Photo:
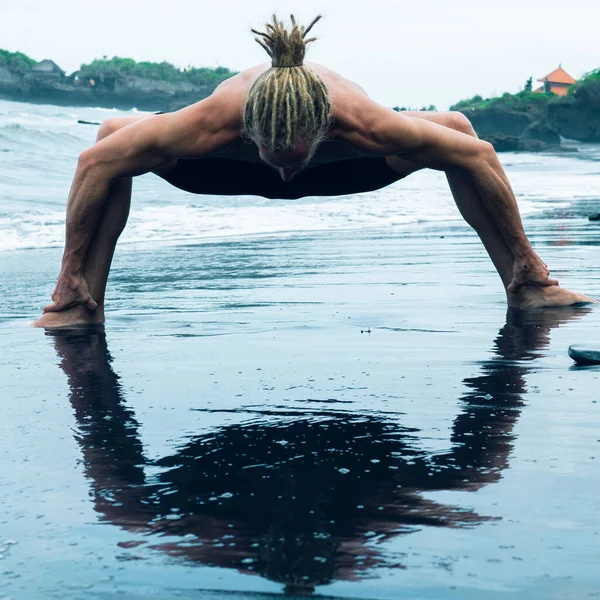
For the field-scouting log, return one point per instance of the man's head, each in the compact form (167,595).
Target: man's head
(287,109)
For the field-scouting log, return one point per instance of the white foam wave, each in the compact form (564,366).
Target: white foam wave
(251,217)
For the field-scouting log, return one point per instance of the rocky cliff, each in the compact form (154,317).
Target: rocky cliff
(578,116)
(534,121)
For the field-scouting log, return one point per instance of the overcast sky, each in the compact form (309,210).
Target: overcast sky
(403,53)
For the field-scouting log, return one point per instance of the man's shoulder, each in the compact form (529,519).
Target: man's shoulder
(350,103)
(224,106)
(222,109)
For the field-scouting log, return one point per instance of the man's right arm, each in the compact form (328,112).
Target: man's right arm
(133,150)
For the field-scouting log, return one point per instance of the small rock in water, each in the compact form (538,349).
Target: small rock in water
(585,355)
(594,217)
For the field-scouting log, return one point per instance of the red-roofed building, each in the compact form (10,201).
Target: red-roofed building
(558,82)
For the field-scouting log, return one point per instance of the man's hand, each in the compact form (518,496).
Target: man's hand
(531,270)
(71,289)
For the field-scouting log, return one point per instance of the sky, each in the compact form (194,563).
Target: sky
(403,53)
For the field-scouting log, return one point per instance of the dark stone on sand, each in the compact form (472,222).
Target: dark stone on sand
(585,355)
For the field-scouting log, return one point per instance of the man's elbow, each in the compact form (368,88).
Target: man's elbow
(88,161)
(480,154)
(485,152)
(92,164)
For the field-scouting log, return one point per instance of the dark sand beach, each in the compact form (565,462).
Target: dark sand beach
(354,413)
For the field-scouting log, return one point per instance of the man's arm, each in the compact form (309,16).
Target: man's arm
(379,131)
(133,150)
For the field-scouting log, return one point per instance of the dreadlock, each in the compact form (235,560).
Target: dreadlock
(289,102)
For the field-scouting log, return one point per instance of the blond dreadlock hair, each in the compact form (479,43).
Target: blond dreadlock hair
(289,102)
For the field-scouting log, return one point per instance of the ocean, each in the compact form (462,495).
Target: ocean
(39,146)
(317,397)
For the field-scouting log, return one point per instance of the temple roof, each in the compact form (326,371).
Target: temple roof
(559,76)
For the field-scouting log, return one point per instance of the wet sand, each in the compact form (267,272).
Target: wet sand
(354,414)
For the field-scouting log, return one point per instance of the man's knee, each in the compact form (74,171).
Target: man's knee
(459,122)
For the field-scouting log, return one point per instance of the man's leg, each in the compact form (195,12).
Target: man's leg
(477,216)
(102,248)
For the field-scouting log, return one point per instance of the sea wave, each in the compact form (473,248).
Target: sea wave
(40,145)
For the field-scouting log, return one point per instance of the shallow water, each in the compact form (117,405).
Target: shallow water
(348,412)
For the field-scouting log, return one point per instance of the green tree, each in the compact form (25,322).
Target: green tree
(127,67)
(473,102)
(16,62)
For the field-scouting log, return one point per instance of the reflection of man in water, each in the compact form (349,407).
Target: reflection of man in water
(312,133)
(299,499)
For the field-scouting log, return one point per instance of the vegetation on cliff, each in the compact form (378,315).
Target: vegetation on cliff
(591,76)
(16,62)
(164,71)
(526,100)
(430,108)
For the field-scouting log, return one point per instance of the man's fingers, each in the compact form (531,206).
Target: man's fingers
(69,292)
(60,306)
(52,308)
(542,283)
(91,304)
(516,286)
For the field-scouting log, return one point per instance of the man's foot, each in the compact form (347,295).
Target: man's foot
(75,316)
(531,296)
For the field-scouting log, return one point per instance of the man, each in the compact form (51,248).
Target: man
(285,131)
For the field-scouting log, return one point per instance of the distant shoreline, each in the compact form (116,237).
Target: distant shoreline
(127,100)
(120,83)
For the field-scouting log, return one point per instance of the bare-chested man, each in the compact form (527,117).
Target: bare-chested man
(287,130)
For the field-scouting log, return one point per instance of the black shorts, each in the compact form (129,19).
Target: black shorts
(228,177)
